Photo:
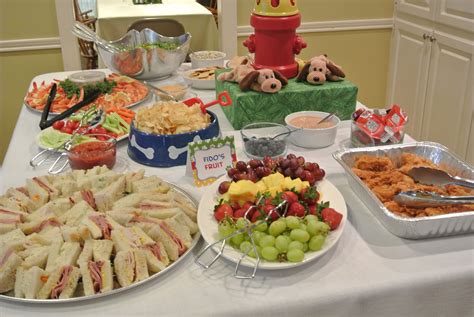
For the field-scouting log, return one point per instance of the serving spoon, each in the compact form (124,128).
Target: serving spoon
(431,176)
(424,199)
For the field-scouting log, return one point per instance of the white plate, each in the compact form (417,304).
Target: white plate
(198,83)
(42,146)
(208,226)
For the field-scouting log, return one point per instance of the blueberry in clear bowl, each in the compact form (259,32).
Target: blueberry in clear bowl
(265,139)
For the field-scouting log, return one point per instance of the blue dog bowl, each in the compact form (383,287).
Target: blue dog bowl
(167,150)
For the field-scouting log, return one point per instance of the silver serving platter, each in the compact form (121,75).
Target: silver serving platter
(411,228)
(148,94)
(196,238)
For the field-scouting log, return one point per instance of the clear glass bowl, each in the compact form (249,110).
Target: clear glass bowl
(360,139)
(265,139)
(88,154)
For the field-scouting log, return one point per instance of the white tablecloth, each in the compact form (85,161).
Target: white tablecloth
(370,272)
(115,16)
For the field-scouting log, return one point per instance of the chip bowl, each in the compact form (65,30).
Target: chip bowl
(168,150)
(145,63)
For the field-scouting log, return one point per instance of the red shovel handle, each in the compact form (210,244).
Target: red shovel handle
(223,99)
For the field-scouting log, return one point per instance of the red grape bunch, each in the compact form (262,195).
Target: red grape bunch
(291,166)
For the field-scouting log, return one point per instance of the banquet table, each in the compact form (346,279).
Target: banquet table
(115,16)
(369,272)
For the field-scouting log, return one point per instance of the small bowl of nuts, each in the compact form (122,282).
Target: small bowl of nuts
(265,139)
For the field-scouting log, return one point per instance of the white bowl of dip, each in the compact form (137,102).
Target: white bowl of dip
(308,133)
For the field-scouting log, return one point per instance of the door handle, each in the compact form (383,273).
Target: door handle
(432,38)
(425,36)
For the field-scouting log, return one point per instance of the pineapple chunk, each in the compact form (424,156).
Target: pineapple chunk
(273,180)
(261,186)
(243,190)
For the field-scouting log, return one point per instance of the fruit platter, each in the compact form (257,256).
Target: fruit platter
(116,124)
(117,91)
(295,214)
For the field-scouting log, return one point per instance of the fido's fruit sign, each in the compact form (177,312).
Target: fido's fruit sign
(209,159)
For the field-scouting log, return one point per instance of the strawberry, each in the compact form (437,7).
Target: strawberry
(296,209)
(223,210)
(331,217)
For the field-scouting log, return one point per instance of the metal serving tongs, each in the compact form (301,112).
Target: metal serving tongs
(424,199)
(92,118)
(247,229)
(84,32)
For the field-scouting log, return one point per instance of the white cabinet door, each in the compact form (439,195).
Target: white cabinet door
(422,8)
(410,56)
(449,98)
(456,13)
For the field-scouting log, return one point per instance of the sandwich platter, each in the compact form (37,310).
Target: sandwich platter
(89,234)
(209,228)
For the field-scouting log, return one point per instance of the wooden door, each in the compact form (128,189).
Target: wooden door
(449,98)
(410,57)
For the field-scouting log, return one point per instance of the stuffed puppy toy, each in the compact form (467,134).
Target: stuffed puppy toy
(319,69)
(263,80)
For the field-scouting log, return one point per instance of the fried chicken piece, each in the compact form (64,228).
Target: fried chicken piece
(410,160)
(456,190)
(375,164)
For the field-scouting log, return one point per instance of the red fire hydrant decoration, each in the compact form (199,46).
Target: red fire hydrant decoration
(275,42)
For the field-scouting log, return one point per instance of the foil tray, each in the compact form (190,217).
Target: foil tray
(78,298)
(411,228)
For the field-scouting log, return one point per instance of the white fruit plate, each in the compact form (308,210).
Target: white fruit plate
(208,226)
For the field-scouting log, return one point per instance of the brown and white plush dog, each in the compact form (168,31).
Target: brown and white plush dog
(319,69)
(263,80)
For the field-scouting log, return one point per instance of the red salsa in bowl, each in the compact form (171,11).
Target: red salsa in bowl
(93,153)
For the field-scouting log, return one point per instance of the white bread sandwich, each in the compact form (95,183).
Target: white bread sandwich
(20,200)
(97,277)
(34,256)
(175,237)
(86,253)
(39,224)
(53,254)
(149,184)
(9,219)
(132,177)
(40,190)
(28,282)
(9,262)
(55,207)
(97,225)
(130,266)
(61,283)
(183,219)
(102,249)
(71,234)
(106,197)
(134,237)
(68,254)
(74,216)
(163,200)
(14,239)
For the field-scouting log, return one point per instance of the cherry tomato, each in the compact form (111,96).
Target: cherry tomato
(58,125)
(223,210)
(331,217)
(76,124)
(67,130)
(70,124)
(101,130)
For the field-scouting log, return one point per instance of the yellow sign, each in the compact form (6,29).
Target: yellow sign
(275,7)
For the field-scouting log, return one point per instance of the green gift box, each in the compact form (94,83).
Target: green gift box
(248,107)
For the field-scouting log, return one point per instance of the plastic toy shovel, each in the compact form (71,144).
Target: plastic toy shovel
(223,99)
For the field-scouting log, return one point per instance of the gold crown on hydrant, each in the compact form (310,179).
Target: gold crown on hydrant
(275,7)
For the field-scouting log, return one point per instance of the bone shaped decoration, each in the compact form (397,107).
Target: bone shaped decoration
(148,152)
(174,152)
